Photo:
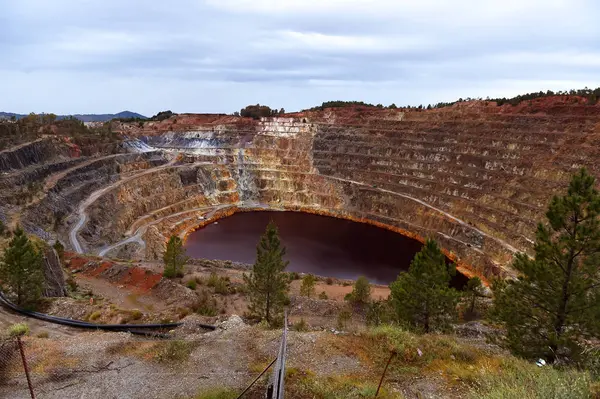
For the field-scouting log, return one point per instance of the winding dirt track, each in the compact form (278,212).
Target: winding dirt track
(137,236)
(81,211)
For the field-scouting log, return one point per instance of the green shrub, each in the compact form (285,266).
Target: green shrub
(212,280)
(379,312)
(95,315)
(18,330)
(301,325)
(519,379)
(191,284)
(217,393)
(71,284)
(60,249)
(323,295)
(294,276)
(220,284)
(205,305)
(136,314)
(173,351)
(338,387)
(308,285)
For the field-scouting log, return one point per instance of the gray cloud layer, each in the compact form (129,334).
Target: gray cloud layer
(69,56)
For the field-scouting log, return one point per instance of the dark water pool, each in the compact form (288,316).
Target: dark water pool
(315,244)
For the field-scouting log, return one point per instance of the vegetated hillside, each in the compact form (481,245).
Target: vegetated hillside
(582,96)
(83,117)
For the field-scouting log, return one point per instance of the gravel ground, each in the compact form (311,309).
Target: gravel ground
(86,365)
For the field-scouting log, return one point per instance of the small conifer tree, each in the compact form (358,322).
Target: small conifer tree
(555,302)
(308,285)
(422,296)
(361,292)
(21,270)
(174,258)
(267,283)
(473,291)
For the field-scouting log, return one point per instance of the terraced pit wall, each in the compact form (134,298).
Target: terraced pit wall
(475,177)
(477,183)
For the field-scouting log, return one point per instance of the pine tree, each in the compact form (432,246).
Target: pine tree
(422,296)
(60,249)
(473,290)
(267,283)
(21,270)
(361,292)
(308,285)
(174,258)
(555,301)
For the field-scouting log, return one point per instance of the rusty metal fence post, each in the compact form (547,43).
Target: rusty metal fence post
(384,372)
(20,344)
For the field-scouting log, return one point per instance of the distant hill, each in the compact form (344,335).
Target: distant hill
(84,117)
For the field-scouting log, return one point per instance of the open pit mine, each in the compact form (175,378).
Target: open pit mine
(475,176)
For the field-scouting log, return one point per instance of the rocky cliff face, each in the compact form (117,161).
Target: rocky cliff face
(475,177)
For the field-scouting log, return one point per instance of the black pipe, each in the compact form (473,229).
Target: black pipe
(82,324)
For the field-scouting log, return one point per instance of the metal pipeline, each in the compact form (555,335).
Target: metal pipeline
(132,328)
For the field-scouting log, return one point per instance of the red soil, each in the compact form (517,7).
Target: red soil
(138,278)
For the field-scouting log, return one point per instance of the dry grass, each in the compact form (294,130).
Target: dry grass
(47,357)
(517,379)
(174,351)
(141,349)
(217,393)
(471,370)
(303,384)
(219,284)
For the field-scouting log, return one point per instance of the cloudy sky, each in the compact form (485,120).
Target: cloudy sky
(104,56)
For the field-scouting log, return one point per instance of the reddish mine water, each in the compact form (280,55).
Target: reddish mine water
(321,245)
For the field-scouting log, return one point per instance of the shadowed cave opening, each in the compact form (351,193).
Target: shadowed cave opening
(322,245)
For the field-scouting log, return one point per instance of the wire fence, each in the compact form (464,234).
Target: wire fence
(123,365)
(119,365)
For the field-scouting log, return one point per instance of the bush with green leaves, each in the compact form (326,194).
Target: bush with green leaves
(192,284)
(308,285)
(217,393)
(301,325)
(220,284)
(519,380)
(379,312)
(361,292)
(205,305)
(18,330)
(60,249)
(175,351)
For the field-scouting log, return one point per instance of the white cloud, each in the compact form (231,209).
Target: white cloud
(559,58)
(292,40)
(84,41)
(217,55)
